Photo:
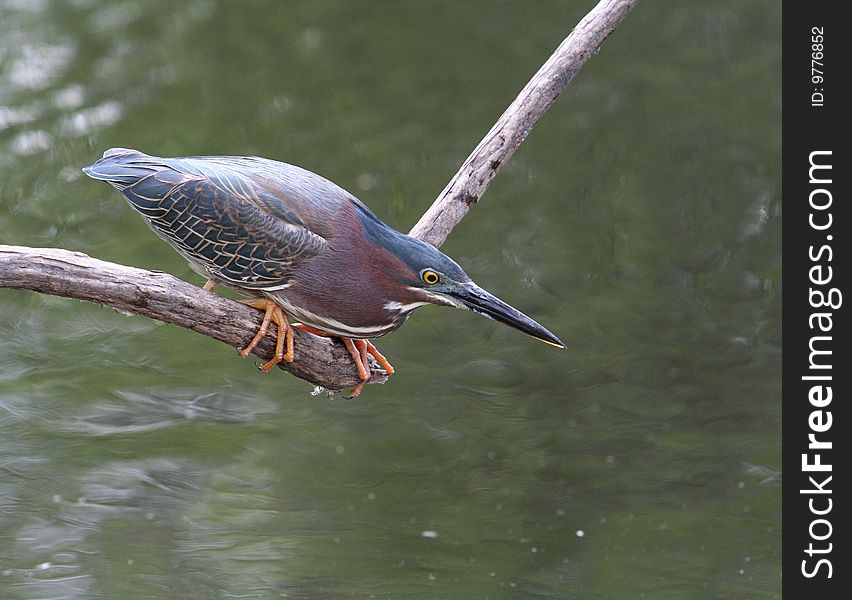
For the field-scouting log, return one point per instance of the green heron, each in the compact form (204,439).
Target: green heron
(299,246)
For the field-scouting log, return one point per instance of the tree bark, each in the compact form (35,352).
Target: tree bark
(321,361)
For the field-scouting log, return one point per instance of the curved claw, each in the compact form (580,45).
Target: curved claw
(360,351)
(356,391)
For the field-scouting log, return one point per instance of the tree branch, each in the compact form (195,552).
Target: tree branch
(322,361)
(468,185)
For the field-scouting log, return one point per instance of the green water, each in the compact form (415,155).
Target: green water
(640,222)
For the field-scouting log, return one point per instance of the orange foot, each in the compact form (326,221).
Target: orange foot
(359,350)
(284,338)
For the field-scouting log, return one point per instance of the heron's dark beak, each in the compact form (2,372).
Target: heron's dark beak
(481,302)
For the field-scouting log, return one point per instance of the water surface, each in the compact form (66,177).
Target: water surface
(640,222)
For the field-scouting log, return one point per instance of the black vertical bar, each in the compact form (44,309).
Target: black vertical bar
(816,369)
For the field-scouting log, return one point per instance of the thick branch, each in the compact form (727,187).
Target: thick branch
(321,361)
(514,125)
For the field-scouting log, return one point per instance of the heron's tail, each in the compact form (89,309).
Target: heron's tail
(121,167)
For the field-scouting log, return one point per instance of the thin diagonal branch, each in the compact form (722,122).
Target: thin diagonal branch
(468,185)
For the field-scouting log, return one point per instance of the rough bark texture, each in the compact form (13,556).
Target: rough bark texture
(321,361)
(512,128)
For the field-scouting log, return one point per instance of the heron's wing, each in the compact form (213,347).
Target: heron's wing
(240,227)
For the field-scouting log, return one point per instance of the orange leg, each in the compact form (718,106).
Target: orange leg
(359,350)
(369,347)
(360,358)
(209,285)
(284,338)
(310,329)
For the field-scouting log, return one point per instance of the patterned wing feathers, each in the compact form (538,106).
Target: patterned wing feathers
(220,221)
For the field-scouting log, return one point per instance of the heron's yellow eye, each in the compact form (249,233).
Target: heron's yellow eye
(430,277)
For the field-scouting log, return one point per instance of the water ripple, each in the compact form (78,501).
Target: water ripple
(139,411)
